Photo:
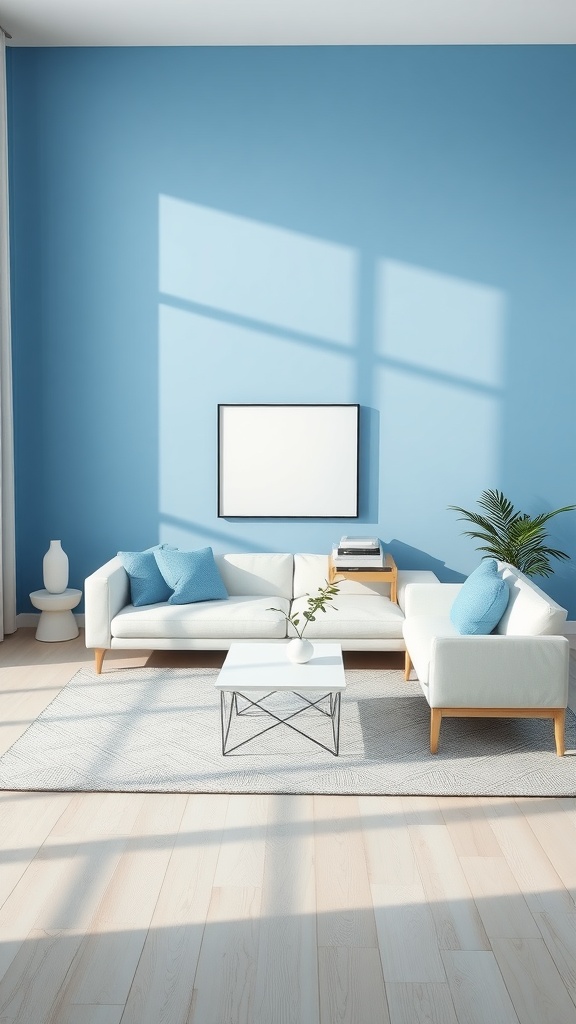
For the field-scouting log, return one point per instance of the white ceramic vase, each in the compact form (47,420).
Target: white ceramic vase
(55,568)
(299,650)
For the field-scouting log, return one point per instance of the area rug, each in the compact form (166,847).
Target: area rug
(158,730)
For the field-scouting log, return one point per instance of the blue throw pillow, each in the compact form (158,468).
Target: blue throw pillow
(147,584)
(482,601)
(192,575)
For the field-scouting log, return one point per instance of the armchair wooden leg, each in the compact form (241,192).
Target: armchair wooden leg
(435,723)
(559,727)
(407,666)
(98,659)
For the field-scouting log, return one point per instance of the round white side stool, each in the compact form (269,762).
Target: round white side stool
(56,621)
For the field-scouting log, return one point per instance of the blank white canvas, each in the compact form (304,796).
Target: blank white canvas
(288,461)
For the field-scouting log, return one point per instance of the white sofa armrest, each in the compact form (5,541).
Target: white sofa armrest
(430,599)
(408,577)
(106,591)
(499,672)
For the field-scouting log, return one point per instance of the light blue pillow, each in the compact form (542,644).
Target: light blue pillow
(147,584)
(192,575)
(482,601)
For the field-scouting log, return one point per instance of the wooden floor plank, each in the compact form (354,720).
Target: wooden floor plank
(351,987)
(477,988)
(25,820)
(533,982)
(107,959)
(100,814)
(343,895)
(406,935)
(241,860)
(30,986)
(31,675)
(558,930)
(84,1013)
(556,833)
(500,903)
(388,847)
(88,867)
(531,866)
(470,831)
(28,816)
(163,985)
(458,923)
(420,1003)
(226,973)
(422,810)
(286,982)
(41,886)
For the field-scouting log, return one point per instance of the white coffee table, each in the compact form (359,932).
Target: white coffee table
(255,671)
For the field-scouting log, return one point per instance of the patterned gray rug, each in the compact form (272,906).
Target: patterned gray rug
(158,730)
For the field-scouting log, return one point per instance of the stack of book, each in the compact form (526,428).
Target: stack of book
(358,553)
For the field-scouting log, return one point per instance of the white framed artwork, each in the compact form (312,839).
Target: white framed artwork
(288,461)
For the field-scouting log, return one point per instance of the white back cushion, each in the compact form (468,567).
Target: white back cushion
(265,575)
(530,611)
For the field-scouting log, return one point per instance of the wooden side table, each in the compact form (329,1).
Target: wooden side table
(387,574)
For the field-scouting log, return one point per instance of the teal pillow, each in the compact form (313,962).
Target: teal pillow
(192,575)
(482,601)
(147,584)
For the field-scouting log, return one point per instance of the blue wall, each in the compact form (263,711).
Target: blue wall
(389,226)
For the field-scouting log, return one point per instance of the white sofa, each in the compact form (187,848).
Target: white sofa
(365,618)
(519,670)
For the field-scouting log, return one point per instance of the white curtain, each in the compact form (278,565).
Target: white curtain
(7,523)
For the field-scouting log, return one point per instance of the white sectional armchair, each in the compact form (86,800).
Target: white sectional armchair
(519,670)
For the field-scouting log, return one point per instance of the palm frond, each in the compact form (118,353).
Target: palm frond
(477,520)
(543,517)
(499,508)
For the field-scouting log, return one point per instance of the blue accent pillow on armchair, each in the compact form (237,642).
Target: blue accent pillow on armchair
(482,601)
(192,575)
(147,584)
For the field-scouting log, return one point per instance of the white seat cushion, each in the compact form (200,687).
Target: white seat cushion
(238,618)
(353,618)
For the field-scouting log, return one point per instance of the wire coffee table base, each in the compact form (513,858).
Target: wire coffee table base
(229,708)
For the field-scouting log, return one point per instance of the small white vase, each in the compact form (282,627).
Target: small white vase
(299,650)
(55,568)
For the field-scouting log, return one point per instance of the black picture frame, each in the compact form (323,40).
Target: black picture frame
(298,460)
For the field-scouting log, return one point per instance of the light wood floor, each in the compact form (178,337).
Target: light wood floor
(154,909)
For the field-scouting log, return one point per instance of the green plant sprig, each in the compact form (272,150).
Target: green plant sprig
(512,536)
(315,604)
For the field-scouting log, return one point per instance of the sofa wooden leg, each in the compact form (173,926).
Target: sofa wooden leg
(407,666)
(98,659)
(435,723)
(559,728)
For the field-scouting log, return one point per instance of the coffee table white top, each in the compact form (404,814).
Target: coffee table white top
(266,667)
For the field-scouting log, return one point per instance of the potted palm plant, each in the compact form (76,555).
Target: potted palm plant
(512,536)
